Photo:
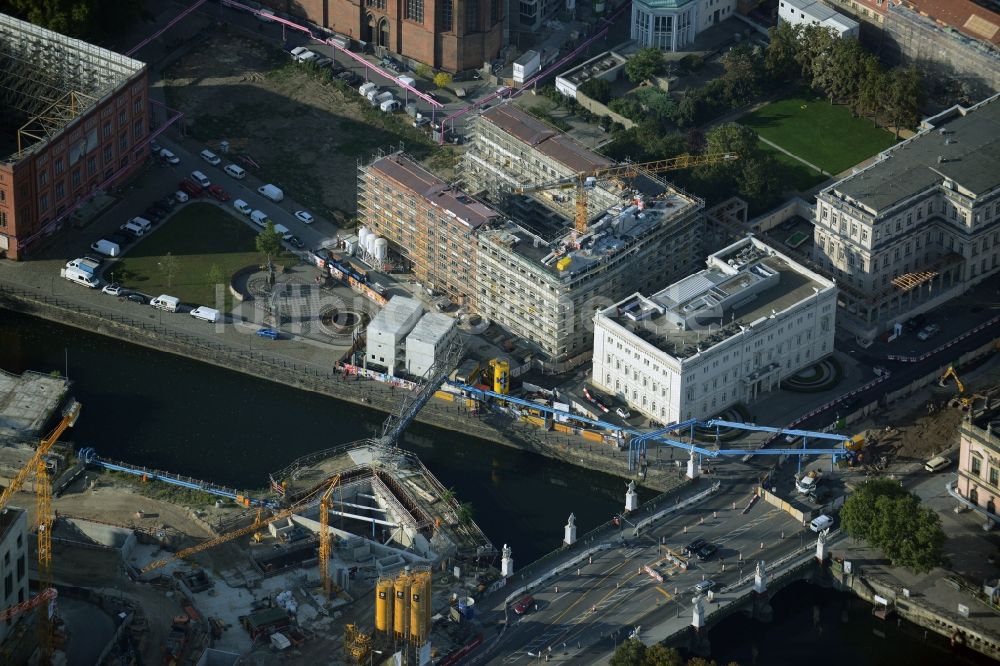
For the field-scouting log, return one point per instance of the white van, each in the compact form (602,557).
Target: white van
(180,196)
(365,88)
(389,106)
(236,171)
(106,247)
(259,217)
(141,222)
(242,206)
(210,157)
(80,277)
(164,302)
(206,314)
(270,191)
(820,523)
(133,229)
(200,178)
(283,231)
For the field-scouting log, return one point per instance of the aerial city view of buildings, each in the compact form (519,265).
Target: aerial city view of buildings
(730,267)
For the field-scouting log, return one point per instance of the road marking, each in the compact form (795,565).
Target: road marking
(664,592)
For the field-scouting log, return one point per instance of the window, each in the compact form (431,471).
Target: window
(494,11)
(472,16)
(976,467)
(446,10)
(76,178)
(60,189)
(122,119)
(415,10)
(43,178)
(20,568)
(3,219)
(8,585)
(994,476)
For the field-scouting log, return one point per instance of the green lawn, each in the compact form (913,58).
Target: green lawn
(819,132)
(793,174)
(200,236)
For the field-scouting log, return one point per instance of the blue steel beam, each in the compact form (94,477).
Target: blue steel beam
(781,431)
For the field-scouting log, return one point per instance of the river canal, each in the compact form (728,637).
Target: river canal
(171,413)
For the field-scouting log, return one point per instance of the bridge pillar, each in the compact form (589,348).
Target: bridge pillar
(507,561)
(569,534)
(693,469)
(761,601)
(698,643)
(760,578)
(698,613)
(822,550)
(631,497)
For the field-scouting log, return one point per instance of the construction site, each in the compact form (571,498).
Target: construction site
(538,230)
(357,550)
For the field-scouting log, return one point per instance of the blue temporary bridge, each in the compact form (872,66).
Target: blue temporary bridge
(637,441)
(90,457)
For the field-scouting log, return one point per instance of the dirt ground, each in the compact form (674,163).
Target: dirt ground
(304,132)
(916,435)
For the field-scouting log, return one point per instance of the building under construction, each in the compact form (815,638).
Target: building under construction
(524,259)
(74,119)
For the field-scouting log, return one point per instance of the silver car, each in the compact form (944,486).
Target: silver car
(703,586)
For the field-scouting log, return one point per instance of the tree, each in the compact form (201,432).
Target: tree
(780,58)
(442,79)
(731,138)
(78,18)
(688,109)
(630,653)
(871,90)
(741,78)
(216,275)
(597,89)
(815,46)
(169,267)
(661,655)
(842,79)
(645,64)
(466,513)
(890,518)
(903,97)
(269,246)
(424,71)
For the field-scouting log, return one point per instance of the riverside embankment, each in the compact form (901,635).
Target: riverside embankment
(304,365)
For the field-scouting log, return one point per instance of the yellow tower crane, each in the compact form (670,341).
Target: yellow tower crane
(43,518)
(324,537)
(586,180)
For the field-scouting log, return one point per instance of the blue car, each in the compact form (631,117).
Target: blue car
(267,333)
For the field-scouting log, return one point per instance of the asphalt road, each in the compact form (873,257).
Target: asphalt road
(583,614)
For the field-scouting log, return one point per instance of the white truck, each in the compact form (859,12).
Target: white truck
(85,265)
(272,192)
(78,276)
(165,302)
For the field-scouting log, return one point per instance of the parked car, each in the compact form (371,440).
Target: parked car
(155,148)
(120,238)
(297,51)
(242,206)
(219,193)
(181,196)
(350,78)
(323,61)
(152,213)
(623,412)
(190,187)
(296,242)
(915,323)
(524,605)
(694,546)
(168,157)
(703,586)
(138,298)
(268,333)
(114,289)
(707,552)
(820,523)
(936,464)
(210,157)
(929,331)
(304,216)
(168,202)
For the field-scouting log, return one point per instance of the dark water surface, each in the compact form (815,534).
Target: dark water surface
(171,413)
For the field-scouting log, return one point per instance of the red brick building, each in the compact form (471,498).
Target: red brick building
(452,35)
(77,121)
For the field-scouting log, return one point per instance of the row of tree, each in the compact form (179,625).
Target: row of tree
(88,19)
(845,72)
(887,516)
(634,653)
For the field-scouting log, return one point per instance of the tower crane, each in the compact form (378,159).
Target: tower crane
(324,536)
(586,180)
(43,521)
(259,521)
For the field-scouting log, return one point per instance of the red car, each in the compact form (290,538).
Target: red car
(191,187)
(524,605)
(219,193)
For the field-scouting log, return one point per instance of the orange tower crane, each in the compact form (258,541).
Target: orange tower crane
(586,180)
(324,537)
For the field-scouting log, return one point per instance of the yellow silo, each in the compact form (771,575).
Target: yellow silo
(383,606)
(417,603)
(501,376)
(401,605)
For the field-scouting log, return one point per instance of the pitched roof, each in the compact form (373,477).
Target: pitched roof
(965,16)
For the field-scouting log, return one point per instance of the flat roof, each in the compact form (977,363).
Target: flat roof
(960,145)
(470,212)
(8,518)
(397,317)
(546,140)
(618,229)
(821,12)
(594,67)
(27,402)
(431,328)
(742,284)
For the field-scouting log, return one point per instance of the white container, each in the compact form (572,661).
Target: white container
(381,249)
(363,234)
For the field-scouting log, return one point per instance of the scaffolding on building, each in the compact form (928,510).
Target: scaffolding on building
(47,80)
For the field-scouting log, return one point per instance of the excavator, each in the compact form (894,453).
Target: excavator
(961,400)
